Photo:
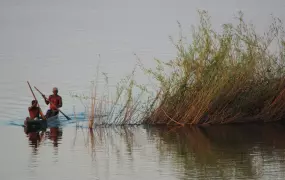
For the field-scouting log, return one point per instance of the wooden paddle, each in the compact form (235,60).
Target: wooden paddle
(41,113)
(68,118)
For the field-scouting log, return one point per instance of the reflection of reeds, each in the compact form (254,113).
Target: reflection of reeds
(107,137)
(223,149)
(224,152)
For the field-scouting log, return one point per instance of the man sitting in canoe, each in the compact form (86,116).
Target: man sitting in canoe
(34,111)
(55,102)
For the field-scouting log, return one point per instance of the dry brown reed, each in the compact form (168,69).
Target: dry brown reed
(121,110)
(232,76)
(229,77)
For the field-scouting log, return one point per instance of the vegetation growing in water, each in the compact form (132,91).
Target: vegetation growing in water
(228,77)
(225,77)
(105,110)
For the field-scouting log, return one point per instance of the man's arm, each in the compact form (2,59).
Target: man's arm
(60,102)
(46,100)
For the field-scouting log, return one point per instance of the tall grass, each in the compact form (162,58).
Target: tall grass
(103,109)
(236,75)
(226,77)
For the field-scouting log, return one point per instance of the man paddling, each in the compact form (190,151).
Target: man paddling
(55,102)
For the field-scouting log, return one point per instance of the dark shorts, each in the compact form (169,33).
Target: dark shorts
(51,113)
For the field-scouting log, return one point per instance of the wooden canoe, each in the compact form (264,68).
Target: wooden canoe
(40,125)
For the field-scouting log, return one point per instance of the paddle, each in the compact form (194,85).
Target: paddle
(68,118)
(41,113)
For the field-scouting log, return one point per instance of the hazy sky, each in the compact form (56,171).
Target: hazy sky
(58,42)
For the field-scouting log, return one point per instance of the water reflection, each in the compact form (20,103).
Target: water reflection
(53,134)
(111,139)
(215,152)
(222,152)
(229,151)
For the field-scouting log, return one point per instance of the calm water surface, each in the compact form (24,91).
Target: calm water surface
(56,43)
(221,152)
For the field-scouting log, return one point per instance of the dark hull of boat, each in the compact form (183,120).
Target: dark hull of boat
(35,125)
(39,125)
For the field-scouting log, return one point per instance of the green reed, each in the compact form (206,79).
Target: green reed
(218,78)
(232,76)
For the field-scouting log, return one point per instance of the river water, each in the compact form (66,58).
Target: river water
(60,43)
(222,152)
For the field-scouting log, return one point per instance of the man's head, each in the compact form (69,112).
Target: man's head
(55,90)
(34,102)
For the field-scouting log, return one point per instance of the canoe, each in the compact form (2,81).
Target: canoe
(40,125)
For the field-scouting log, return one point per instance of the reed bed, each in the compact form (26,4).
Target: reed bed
(233,76)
